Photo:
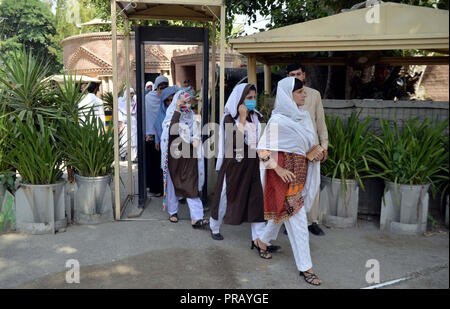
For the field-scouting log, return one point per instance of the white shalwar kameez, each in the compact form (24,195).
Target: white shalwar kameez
(290,130)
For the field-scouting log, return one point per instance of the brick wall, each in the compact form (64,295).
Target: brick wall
(435,82)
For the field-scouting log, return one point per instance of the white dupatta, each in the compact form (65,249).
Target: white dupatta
(290,129)
(231,108)
(189,129)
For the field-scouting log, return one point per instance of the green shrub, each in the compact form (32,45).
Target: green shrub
(348,149)
(34,153)
(414,155)
(88,147)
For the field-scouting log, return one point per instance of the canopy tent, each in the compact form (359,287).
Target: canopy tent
(96,22)
(185,10)
(385,26)
(81,78)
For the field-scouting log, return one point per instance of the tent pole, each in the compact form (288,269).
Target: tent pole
(126,41)
(267,79)
(222,60)
(213,72)
(115,109)
(251,69)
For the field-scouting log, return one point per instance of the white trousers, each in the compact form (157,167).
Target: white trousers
(298,234)
(195,204)
(257,227)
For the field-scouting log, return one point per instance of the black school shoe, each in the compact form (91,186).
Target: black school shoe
(217,236)
(316,230)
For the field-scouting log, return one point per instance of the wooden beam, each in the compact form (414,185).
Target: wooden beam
(267,79)
(251,69)
(222,60)
(115,110)
(342,61)
(126,41)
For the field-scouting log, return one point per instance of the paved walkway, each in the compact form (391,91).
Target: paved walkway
(151,252)
(160,254)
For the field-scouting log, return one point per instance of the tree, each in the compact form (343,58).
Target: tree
(29,24)
(288,12)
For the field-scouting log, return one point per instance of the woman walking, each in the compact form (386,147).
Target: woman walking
(182,160)
(239,194)
(288,151)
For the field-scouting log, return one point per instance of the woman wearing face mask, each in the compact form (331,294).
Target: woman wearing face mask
(292,178)
(165,101)
(239,194)
(182,160)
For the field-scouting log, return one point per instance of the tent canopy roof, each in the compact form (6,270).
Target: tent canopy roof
(96,21)
(78,78)
(400,26)
(191,10)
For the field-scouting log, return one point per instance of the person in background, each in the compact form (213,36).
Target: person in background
(123,122)
(152,108)
(184,173)
(239,194)
(148,87)
(91,101)
(313,105)
(291,157)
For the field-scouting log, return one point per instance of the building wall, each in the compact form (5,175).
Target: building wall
(435,82)
(91,54)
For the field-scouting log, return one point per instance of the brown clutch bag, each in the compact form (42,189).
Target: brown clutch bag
(313,152)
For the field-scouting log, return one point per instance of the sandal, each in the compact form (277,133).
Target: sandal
(310,277)
(174,216)
(264,254)
(200,224)
(270,248)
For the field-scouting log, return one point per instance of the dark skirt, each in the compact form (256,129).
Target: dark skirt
(154,171)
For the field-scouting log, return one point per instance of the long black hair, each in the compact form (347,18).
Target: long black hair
(297,85)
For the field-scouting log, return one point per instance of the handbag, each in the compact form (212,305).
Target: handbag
(314,151)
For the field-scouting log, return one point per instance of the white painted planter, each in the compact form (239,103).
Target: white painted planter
(338,210)
(408,212)
(93,200)
(40,209)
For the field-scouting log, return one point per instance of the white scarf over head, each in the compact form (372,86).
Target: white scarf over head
(231,108)
(189,129)
(290,129)
(122,105)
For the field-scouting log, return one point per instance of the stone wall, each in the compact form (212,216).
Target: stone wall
(391,110)
(435,82)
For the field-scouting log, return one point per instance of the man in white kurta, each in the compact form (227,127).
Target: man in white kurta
(314,106)
(133,124)
(91,101)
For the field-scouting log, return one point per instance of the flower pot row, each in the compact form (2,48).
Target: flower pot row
(42,209)
(404,208)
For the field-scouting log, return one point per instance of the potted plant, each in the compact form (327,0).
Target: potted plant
(407,160)
(349,146)
(89,148)
(32,149)
(7,176)
(40,199)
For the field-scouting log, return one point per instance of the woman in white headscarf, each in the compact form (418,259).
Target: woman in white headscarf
(122,104)
(152,106)
(182,160)
(292,178)
(239,194)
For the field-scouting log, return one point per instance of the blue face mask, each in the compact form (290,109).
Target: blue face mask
(250,104)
